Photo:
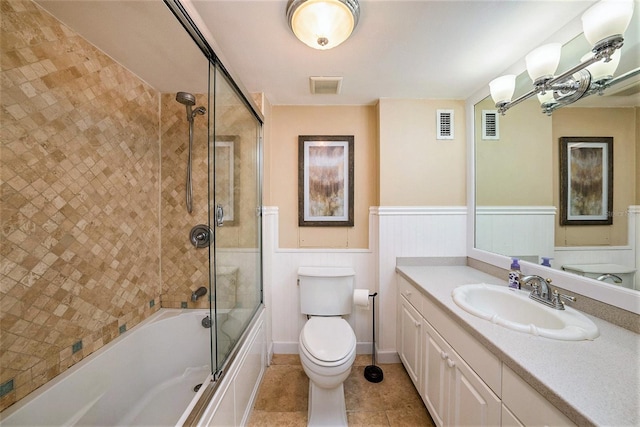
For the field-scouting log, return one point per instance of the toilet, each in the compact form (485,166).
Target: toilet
(327,344)
(615,274)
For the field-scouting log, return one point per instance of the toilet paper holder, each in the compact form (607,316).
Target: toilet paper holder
(373,373)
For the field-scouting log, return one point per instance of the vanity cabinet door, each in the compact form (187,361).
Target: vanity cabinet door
(471,401)
(454,394)
(434,374)
(409,340)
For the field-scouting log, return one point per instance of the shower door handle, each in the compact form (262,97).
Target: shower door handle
(219,215)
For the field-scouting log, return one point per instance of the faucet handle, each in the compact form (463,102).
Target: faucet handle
(558,297)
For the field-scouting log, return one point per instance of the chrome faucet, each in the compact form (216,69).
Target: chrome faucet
(543,294)
(201,291)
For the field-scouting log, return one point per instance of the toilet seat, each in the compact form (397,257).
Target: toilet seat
(328,340)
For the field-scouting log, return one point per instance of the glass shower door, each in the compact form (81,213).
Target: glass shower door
(234,214)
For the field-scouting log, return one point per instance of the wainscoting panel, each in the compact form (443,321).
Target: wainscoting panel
(526,232)
(412,232)
(394,232)
(624,255)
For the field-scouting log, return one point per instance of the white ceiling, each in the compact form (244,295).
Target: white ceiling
(400,49)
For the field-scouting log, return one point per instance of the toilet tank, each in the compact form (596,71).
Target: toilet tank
(326,291)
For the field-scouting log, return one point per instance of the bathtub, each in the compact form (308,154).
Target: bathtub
(144,377)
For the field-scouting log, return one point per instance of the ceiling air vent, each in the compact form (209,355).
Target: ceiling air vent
(490,124)
(325,85)
(444,124)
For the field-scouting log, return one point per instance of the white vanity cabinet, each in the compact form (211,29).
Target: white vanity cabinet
(523,406)
(451,390)
(408,338)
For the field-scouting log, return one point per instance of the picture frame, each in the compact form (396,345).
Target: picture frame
(227,183)
(325,180)
(586,180)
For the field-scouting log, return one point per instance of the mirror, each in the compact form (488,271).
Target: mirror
(517,175)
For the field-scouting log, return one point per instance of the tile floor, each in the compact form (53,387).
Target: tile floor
(283,396)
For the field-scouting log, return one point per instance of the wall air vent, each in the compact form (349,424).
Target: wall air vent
(444,124)
(490,124)
(325,85)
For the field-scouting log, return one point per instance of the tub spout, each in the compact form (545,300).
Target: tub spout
(201,291)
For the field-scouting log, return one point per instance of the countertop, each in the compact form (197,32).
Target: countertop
(592,382)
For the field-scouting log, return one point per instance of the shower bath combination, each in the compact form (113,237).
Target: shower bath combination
(189,101)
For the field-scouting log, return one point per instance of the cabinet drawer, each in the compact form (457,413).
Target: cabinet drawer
(411,294)
(527,404)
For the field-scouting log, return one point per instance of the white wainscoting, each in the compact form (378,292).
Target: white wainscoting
(624,255)
(411,232)
(393,232)
(526,232)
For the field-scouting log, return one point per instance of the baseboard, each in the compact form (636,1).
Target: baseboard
(388,357)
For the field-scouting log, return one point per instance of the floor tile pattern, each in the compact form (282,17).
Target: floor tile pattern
(283,396)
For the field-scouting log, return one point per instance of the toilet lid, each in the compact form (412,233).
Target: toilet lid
(328,338)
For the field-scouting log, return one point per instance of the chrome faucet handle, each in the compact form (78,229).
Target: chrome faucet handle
(558,297)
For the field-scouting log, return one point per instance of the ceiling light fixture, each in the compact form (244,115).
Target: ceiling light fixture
(604,25)
(323,24)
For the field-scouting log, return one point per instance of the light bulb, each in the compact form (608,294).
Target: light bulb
(543,62)
(502,88)
(602,71)
(605,19)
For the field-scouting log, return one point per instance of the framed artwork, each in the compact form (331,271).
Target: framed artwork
(325,181)
(226,177)
(586,180)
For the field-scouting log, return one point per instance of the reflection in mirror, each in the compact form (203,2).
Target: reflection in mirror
(518,176)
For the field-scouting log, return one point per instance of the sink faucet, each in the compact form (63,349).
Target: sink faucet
(543,294)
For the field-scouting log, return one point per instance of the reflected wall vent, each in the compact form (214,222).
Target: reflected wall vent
(325,85)
(444,124)
(490,124)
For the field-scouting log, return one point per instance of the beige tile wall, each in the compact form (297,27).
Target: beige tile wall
(79,199)
(184,268)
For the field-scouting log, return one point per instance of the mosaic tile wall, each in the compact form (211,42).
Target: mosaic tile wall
(184,268)
(79,199)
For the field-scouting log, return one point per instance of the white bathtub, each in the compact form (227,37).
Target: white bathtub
(144,377)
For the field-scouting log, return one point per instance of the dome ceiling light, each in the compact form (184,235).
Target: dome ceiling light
(323,24)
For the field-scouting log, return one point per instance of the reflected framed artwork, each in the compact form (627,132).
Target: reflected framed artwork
(325,180)
(586,180)
(226,176)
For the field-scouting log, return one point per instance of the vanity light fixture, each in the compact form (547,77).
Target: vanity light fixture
(604,25)
(323,24)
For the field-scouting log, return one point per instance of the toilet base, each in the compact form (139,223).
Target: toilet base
(326,406)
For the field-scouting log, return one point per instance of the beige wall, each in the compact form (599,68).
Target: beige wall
(515,170)
(79,210)
(621,124)
(415,168)
(281,159)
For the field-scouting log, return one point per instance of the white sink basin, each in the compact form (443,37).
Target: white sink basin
(513,309)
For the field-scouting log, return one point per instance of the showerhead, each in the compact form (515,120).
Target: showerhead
(186,98)
(189,101)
